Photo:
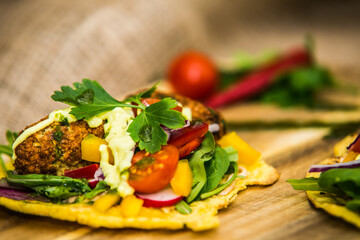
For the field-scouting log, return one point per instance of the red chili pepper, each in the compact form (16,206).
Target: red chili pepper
(87,172)
(262,78)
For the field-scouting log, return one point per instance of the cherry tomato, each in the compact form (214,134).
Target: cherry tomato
(150,173)
(193,75)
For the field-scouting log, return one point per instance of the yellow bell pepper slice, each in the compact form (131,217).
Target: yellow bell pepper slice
(131,206)
(181,183)
(105,202)
(90,149)
(246,154)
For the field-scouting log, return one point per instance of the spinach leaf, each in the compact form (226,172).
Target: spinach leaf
(215,169)
(100,187)
(306,184)
(343,180)
(196,161)
(353,205)
(232,153)
(234,168)
(57,193)
(54,187)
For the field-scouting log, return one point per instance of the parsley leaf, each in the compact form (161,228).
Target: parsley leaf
(146,128)
(88,99)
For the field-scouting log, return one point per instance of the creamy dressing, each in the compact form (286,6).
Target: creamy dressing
(187,114)
(122,147)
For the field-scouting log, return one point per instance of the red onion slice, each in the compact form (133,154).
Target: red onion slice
(214,127)
(323,168)
(242,171)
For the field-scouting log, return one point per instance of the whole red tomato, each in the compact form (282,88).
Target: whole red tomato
(194,75)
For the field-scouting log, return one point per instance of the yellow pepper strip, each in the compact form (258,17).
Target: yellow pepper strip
(351,156)
(246,154)
(105,202)
(340,149)
(181,183)
(130,206)
(90,149)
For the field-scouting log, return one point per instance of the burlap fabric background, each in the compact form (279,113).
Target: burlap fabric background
(125,44)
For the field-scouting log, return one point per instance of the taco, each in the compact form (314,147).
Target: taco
(334,184)
(143,162)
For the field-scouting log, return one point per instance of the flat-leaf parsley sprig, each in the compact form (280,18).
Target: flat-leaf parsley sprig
(88,99)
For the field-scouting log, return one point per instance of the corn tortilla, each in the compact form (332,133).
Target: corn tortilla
(329,202)
(203,217)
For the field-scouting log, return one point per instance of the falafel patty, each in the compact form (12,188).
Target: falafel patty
(54,148)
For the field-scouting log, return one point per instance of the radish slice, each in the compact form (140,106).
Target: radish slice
(163,198)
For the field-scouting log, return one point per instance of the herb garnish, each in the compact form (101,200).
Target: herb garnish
(88,99)
(146,129)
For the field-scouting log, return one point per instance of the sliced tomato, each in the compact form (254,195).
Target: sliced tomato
(150,173)
(189,147)
(148,101)
(187,134)
(87,172)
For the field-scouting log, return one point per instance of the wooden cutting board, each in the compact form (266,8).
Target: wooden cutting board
(273,212)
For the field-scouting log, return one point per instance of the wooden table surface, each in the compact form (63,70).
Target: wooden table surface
(273,212)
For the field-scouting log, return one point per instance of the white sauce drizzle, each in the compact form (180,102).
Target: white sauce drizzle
(121,145)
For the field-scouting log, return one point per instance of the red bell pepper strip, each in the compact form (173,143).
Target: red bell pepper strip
(189,147)
(87,172)
(187,134)
(262,78)
(355,145)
